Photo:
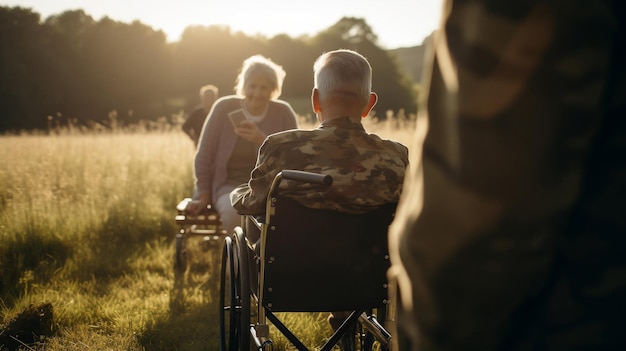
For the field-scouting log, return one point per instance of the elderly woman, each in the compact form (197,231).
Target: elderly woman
(228,144)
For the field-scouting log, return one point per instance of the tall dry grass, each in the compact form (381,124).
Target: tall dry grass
(87,224)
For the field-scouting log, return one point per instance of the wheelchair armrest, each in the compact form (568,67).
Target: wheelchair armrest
(181,208)
(182,205)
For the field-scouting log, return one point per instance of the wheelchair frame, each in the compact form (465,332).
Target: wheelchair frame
(206,224)
(236,294)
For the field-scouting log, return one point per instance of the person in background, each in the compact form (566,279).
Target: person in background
(193,124)
(511,231)
(367,171)
(227,150)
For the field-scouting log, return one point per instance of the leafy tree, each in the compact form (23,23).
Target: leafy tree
(210,55)
(73,66)
(392,86)
(21,49)
(127,67)
(65,41)
(353,30)
(296,57)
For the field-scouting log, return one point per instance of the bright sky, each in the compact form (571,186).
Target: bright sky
(397,23)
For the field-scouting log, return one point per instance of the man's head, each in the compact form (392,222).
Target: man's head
(343,84)
(208,95)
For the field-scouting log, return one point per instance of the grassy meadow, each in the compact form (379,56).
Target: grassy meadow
(87,225)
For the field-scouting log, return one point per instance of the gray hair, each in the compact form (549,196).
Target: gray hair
(344,71)
(208,88)
(259,64)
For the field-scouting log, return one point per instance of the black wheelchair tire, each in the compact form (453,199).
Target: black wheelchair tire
(180,256)
(228,309)
(235,295)
(243,291)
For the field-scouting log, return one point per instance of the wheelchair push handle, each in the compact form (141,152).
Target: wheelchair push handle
(307,177)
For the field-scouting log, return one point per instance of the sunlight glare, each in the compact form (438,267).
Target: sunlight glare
(397,23)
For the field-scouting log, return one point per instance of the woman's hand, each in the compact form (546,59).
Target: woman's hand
(194,207)
(250,132)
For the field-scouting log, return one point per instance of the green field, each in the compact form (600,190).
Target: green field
(87,225)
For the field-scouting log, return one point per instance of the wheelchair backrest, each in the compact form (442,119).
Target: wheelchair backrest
(320,260)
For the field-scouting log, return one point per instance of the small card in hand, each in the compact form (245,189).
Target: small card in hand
(236,117)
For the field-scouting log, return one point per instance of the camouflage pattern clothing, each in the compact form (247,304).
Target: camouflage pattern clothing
(367,171)
(511,231)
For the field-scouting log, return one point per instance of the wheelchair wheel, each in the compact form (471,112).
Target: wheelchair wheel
(234,296)
(243,291)
(180,256)
(228,309)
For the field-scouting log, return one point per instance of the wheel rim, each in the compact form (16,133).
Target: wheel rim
(243,291)
(235,295)
(228,299)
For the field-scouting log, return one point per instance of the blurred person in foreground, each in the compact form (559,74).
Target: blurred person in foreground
(193,124)
(367,171)
(511,231)
(227,150)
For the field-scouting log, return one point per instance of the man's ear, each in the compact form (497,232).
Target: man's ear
(315,100)
(370,104)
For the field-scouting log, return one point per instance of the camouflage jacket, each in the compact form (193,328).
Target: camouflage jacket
(511,231)
(367,171)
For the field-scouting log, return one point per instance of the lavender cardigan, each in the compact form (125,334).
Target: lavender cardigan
(218,139)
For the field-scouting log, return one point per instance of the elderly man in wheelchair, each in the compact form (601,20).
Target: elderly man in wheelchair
(315,217)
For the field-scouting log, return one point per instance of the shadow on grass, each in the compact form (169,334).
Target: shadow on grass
(196,328)
(107,251)
(32,258)
(193,321)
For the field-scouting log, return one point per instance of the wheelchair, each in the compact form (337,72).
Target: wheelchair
(305,260)
(206,225)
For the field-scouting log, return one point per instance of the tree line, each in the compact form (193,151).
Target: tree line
(70,66)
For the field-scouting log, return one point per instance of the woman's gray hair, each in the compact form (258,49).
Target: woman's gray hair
(344,71)
(259,64)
